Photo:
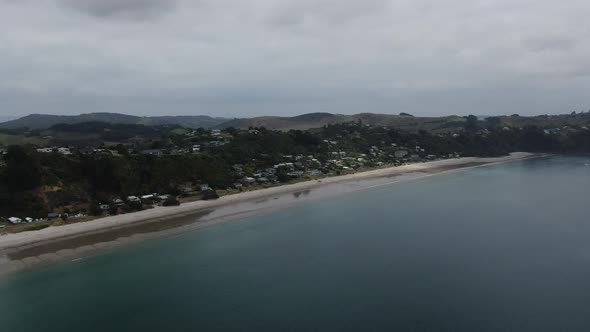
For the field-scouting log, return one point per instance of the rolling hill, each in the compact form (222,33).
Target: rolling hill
(317,120)
(301,122)
(44,121)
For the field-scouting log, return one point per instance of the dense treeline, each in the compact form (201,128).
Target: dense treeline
(83,178)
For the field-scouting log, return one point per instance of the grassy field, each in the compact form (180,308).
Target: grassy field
(6,139)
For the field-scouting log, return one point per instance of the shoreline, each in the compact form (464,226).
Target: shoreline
(31,250)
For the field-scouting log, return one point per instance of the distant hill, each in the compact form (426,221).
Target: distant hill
(196,121)
(545,121)
(44,121)
(317,120)
(303,122)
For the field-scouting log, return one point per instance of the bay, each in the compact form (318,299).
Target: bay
(495,248)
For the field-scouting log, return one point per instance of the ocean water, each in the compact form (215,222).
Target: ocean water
(497,248)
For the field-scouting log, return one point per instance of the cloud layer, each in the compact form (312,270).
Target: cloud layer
(243,58)
(121,9)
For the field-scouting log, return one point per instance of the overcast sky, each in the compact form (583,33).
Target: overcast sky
(239,58)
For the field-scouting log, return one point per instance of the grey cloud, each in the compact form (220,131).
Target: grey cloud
(550,43)
(243,58)
(121,9)
(329,11)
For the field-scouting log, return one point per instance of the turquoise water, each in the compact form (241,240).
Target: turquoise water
(499,248)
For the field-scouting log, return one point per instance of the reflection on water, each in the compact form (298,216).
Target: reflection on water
(214,215)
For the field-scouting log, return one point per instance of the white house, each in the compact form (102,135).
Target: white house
(14,220)
(164,197)
(64,151)
(248,180)
(118,202)
(133,199)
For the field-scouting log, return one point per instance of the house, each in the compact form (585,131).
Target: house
(28,219)
(314,172)
(204,187)
(52,215)
(64,151)
(86,151)
(15,220)
(295,174)
(152,152)
(118,202)
(196,148)
(262,180)
(217,143)
(285,165)
(215,132)
(248,180)
(179,151)
(45,150)
(133,199)
(164,197)
(104,207)
(148,198)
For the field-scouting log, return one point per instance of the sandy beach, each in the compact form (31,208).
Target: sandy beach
(29,250)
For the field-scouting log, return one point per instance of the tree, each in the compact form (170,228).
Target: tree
(471,123)
(94,209)
(122,149)
(113,210)
(23,171)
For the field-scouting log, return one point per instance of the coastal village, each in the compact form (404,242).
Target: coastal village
(334,159)
(79,174)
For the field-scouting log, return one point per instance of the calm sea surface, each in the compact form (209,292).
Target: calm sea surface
(499,248)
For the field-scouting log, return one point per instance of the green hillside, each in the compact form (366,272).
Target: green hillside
(317,120)
(44,121)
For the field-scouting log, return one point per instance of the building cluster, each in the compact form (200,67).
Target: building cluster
(335,155)
(210,139)
(331,163)
(50,216)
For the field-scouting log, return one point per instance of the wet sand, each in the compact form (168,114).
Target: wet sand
(30,250)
